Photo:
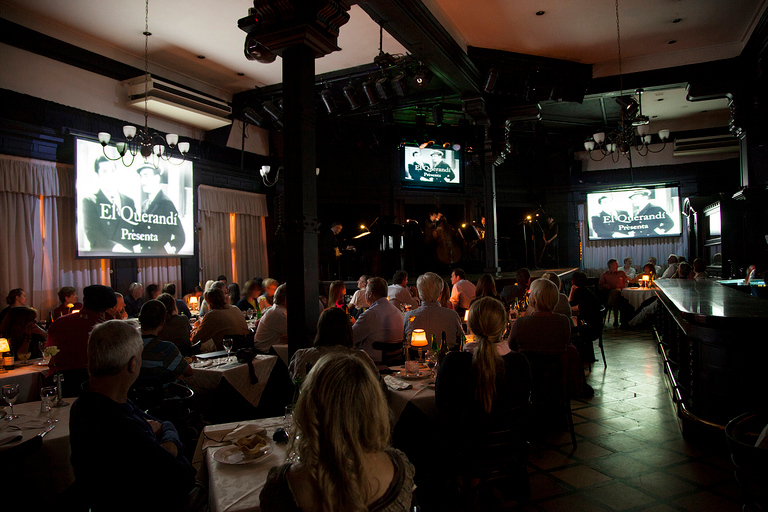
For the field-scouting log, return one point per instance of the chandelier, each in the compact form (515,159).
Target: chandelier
(620,140)
(150,145)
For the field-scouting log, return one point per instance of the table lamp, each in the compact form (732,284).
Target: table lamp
(419,339)
(645,281)
(4,347)
(193,302)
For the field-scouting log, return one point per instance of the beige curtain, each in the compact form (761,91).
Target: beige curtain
(233,239)
(160,271)
(37,242)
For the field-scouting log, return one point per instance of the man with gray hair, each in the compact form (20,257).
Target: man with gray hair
(672,268)
(431,316)
(133,300)
(123,458)
(380,322)
(399,294)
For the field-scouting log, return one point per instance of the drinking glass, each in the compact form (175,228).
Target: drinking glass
(288,419)
(48,396)
(227,346)
(10,393)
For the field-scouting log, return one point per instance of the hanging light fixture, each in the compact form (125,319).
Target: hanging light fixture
(619,141)
(152,147)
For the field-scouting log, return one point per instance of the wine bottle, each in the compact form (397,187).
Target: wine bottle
(433,346)
(443,350)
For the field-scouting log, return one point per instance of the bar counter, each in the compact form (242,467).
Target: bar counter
(714,346)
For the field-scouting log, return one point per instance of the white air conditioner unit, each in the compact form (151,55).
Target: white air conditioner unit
(706,145)
(178,103)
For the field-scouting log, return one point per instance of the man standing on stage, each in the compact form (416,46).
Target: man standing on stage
(549,253)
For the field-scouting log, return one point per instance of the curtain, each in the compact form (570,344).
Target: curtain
(596,254)
(233,239)
(160,271)
(37,206)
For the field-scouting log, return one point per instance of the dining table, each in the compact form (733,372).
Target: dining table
(47,471)
(417,390)
(29,376)
(637,296)
(208,374)
(236,487)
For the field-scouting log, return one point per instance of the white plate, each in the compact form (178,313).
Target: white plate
(423,374)
(233,455)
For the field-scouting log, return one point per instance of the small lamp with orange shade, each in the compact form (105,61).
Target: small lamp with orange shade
(5,352)
(419,340)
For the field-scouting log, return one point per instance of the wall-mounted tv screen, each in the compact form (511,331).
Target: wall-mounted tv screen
(431,167)
(132,212)
(634,213)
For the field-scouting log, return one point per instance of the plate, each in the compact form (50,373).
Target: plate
(233,455)
(422,375)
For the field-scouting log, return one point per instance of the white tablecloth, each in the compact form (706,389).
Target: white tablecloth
(237,376)
(421,394)
(29,377)
(636,296)
(282,351)
(236,488)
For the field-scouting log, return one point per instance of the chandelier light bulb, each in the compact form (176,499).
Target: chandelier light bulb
(663,134)
(129,131)
(183,147)
(104,138)
(589,145)
(172,139)
(643,130)
(599,137)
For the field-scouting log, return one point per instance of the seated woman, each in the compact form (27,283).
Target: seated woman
(67,302)
(445,297)
(586,306)
(221,320)
(233,290)
(267,298)
(562,299)
(484,388)
(250,299)
(540,329)
(683,270)
(23,334)
(340,434)
(334,334)
(176,328)
(649,269)
(16,298)
(486,287)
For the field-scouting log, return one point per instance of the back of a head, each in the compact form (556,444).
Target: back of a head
(523,276)
(111,345)
(554,278)
(699,265)
(266,283)
(579,278)
(684,269)
(340,416)
(234,292)
(215,298)
(611,262)
(208,285)
(222,278)
(544,294)
(15,323)
(333,328)
(169,302)
(649,268)
(487,321)
(377,287)
(65,292)
(152,314)
(98,298)
(249,288)
(218,285)
(150,290)
(280,295)
(336,292)
(430,287)
(11,298)
(459,272)
(652,260)
(486,286)
(399,276)
(170,289)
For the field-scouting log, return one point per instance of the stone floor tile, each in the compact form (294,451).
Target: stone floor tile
(580,476)
(618,496)
(707,501)
(661,484)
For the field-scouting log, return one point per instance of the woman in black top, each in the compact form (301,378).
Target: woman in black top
(586,306)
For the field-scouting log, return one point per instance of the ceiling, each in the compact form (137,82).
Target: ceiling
(580,31)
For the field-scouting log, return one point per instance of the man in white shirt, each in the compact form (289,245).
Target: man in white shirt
(430,316)
(399,294)
(380,322)
(273,326)
(462,293)
(672,268)
(628,268)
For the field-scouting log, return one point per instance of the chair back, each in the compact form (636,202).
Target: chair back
(391,351)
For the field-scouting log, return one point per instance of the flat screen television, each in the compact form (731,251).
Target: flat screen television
(131,212)
(431,167)
(643,212)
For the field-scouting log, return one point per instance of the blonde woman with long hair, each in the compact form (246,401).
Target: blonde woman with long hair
(483,386)
(342,428)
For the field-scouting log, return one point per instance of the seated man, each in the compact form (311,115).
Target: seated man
(462,293)
(273,326)
(70,335)
(430,316)
(380,322)
(399,294)
(117,312)
(611,282)
(159,359)
(123,458)
(672,268)
(512,292)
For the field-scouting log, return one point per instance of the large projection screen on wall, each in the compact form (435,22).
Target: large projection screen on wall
(132,212)
(634,213)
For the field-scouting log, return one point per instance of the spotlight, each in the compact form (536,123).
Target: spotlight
(349,93)
(383,89)
(273,112)
(422,77)
(490,82)
(400,84)
(254,50)
(327,99)
(370,93)
(446,145)
(437,115)
(629,106)
(426,144)
(456,147)
(252,116)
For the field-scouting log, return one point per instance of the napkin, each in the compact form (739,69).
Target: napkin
(228,434)
(396,384)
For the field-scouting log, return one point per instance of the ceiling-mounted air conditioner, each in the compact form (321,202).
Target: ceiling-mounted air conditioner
(706,145)
(178,103)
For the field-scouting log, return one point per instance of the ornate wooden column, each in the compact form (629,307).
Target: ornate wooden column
(299,31)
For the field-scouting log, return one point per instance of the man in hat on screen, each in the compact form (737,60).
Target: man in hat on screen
(440,171)
(160,226)
(649,218)
(104,212)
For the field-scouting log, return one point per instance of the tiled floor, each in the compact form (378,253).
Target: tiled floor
(631,455)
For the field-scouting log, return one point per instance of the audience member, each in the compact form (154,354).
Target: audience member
(334,334)
(133,300)
(672,268)
(233,290)
(176,327)
(628,268)
(517,291)
(19,327)
(336,294)
(380,322)
(430,316)
(342,431)
(656,268)
(399,294)
(445,296)
(67,302)
(269,286)
(482,389)
(16,298)
(181,305)
(540,329)
(462,293)
(222,279)
(249,300)
(151,292)
(486,287)
(611,282)
(683,270)
(215,285)
(586,306)
(221,320)
(124,460)
(649,269)
(160,359)
(117,312)
(273,326)
(699,270)
(563,307)
(358,299)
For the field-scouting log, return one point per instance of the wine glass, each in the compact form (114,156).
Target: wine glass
(10,393)
(227,345)
(48,396)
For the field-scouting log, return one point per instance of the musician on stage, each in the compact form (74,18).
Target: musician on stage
(550,236)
